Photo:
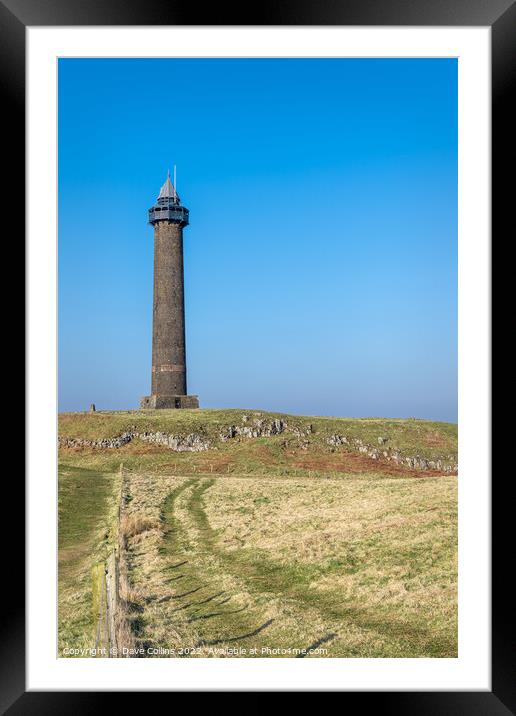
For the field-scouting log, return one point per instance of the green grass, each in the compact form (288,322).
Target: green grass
(428,439)
(362,565)
(207,613)
(276,541)
(265,573)
(87,507)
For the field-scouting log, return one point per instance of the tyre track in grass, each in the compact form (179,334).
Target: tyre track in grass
(207,615)
(262,576)
(257,578)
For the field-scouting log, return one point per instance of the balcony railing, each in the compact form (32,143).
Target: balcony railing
(179,214)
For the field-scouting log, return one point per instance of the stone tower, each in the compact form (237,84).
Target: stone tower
(168,390)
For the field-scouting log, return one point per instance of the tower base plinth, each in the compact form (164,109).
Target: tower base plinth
(155,402)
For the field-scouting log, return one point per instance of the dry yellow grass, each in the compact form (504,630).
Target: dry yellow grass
(132,525)
(362,566)
(88,506)
(280,543)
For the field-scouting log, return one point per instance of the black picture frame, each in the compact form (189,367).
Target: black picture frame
(500,16)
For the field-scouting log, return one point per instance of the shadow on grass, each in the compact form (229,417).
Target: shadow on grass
(237,638)
(316,644)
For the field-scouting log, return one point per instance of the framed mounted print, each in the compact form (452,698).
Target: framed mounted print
(258,290)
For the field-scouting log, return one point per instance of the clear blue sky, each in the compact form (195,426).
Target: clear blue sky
(321,259)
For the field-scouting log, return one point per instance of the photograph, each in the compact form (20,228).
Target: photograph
(257,274)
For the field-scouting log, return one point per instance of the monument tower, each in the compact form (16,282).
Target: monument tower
(168,217)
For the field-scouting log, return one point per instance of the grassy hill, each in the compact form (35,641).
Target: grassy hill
(408,437)
(278,535)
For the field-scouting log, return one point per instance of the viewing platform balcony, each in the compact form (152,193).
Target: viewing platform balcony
(169,212)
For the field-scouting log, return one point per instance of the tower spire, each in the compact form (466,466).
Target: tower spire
(168,190)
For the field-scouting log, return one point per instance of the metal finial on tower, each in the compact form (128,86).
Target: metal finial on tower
(168,204)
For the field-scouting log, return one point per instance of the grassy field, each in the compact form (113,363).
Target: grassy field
(273,546)
(88,505)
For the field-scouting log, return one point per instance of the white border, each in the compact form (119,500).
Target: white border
(471,671)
